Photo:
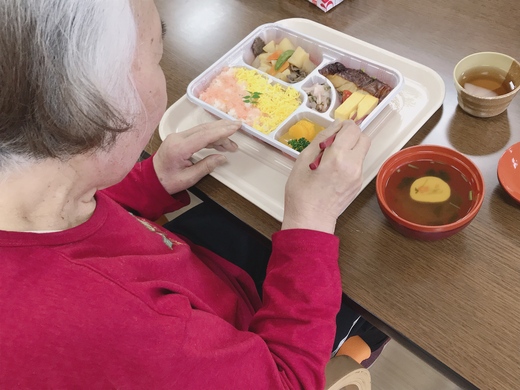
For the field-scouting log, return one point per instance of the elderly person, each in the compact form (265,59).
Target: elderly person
(95,295)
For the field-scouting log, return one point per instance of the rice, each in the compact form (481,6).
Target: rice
(228,89)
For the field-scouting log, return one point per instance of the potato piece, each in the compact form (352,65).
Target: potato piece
(265,64)
(308,66)
(298,57)
(283,75)
(256,62)
(263,57)
(285,44)
(336,80)
(260,60)
(348,86)
(270,47)
(264,68)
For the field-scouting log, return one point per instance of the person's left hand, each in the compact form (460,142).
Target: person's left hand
(172,163)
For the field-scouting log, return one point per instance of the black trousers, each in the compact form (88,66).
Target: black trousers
(214,228)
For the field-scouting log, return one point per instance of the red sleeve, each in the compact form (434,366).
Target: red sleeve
(290,338)
(301,298)
(142,192)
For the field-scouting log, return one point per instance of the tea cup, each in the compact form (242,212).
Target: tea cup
(476,77)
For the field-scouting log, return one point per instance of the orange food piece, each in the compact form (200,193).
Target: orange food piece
(346,94)
(302,129)
(274,55)
(284,66)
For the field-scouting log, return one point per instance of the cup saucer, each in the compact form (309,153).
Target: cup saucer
(508,171)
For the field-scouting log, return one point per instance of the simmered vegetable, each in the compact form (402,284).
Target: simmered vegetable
(319,96)
(282,60)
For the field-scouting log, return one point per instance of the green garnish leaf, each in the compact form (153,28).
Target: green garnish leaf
(252,98)
(299,144)
(443,175)
(406,182)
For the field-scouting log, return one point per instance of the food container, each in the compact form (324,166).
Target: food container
(321,54)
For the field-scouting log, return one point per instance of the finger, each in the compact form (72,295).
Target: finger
(217,148)
(191,175)
(343,149)
(329,131)
(351,157)
(207,134)
(313,149)
(362,146)
(224,145)
(347,137)
(206,126)
(345,133)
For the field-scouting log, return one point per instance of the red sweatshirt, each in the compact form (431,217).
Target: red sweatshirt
(120,303)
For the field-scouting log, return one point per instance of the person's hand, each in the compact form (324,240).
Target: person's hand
(314,199)
(172,163)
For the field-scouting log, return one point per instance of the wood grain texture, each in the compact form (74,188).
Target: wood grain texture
(456,299)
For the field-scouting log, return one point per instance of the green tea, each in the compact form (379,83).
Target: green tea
(486,78)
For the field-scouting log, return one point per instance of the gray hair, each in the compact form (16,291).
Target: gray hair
(65,82)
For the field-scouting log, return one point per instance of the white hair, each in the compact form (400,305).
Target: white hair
(65,76)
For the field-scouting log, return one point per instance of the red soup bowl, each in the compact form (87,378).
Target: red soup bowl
(429,192)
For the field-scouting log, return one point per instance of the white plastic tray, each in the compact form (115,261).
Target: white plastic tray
(259,172)
(321,54)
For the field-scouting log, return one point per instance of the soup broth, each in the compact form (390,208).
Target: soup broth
(489,78)
(397,194)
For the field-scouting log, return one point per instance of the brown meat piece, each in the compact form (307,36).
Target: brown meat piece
(258,46)
(362,80)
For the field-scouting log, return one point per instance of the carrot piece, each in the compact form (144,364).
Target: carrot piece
(284,66)
(274,55)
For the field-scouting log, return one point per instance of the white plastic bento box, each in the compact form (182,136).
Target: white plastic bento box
(321,54)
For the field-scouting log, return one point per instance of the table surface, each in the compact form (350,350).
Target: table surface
(455,301)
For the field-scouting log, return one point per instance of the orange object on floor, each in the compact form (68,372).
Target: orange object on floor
(162,220)
(356,348)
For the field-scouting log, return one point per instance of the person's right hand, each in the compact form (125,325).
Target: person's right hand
(314,199)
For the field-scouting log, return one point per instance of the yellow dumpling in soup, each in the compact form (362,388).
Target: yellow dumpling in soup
(430,189)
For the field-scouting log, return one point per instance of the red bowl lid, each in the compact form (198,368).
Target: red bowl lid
(508,171)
